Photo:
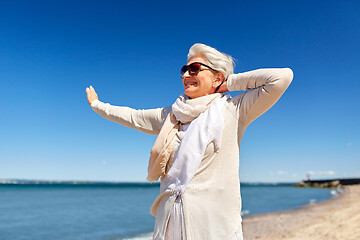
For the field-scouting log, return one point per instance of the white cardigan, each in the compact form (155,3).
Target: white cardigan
(212,201)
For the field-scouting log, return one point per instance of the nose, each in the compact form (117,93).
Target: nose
(186,74)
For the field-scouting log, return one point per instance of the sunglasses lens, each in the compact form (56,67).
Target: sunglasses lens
(194,68)
(183,70)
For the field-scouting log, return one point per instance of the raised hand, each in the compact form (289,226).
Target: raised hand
(91,94)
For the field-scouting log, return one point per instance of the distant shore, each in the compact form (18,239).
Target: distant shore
(337,218)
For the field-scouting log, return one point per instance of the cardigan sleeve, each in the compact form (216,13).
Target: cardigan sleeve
(148,121)
(265,87)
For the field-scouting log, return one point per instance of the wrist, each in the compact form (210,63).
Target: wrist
(94,103)
(230,81)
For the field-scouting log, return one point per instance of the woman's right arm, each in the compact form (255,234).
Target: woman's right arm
(148,121)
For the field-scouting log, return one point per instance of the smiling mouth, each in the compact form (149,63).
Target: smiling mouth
(189,84)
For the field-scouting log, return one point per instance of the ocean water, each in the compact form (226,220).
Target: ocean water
(115,212)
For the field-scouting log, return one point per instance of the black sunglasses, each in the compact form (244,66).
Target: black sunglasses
(194,68)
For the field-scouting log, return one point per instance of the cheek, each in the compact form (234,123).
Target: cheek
(206,83)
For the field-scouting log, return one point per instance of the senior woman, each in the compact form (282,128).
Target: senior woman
(196,153)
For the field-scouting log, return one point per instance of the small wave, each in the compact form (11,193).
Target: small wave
(312,201)
(147,236)
(336,192)
(244,212)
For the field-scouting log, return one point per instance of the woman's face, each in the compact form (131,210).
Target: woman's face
(203,83)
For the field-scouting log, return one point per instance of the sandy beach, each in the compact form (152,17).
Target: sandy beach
(334,219)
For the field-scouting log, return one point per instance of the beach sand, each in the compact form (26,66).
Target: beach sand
(334,219)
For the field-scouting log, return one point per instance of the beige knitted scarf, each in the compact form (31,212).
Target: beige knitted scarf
(184,110)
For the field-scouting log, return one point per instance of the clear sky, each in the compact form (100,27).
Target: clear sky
(132,51)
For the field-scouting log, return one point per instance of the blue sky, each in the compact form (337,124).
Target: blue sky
(131,52)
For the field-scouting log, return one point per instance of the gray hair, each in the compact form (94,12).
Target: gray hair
(217,60)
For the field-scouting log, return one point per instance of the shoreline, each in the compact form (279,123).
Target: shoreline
(335,218)
(258,225)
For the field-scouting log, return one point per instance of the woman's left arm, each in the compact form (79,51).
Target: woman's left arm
(265,88)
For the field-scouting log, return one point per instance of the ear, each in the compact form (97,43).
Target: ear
(219,78)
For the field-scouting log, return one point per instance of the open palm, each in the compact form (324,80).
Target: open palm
(91,94)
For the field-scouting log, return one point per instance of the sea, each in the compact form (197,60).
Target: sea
(116,211)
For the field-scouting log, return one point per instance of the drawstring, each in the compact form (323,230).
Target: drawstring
(177,219)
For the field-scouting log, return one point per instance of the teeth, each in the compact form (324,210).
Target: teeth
(190,83)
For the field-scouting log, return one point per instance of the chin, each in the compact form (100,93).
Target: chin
(190,93)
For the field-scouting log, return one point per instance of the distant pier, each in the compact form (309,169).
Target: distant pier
(328,183)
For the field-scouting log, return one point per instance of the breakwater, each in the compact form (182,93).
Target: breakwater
(328,183)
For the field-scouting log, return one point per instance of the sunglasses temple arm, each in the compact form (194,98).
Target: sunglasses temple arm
(218,87)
